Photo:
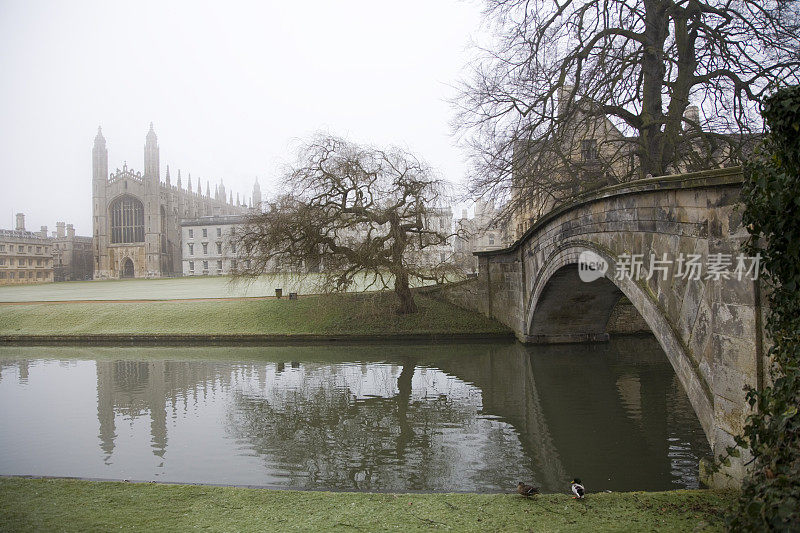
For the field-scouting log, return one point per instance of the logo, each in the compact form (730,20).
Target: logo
(591,266)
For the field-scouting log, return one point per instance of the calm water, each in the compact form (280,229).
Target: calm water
(439,417)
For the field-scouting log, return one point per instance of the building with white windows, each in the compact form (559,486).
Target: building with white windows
(208,246)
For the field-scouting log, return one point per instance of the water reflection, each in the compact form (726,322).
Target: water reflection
(407,417)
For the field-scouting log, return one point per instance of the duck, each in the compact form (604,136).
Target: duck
(577,489)
(527,490)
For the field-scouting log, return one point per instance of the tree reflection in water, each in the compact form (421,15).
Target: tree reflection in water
(364,427)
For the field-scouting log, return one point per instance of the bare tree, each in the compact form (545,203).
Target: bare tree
(354,212)
(601,90)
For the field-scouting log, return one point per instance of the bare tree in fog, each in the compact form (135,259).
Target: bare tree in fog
(351,211)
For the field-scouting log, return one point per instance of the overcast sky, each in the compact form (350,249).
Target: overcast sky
(230,88)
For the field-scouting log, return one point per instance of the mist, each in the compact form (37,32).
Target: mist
(230,88)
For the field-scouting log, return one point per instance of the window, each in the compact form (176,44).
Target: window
(233,264)
(191,233)
(2,275)
(38,262)
(38,274)
(219,247)
(219,265)
(127,220)
(191,248)
(21,249)
(205,232)
(2,262)
(205,266)
(589,149)
(30,249)
(205,248)
(2,247)
(10,275)
(191,266)
(219,232)
(38,249)
(30,262)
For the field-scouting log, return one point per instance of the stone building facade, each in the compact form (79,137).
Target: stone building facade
(208,247)
(485,231)
(72,254)
(25,256)
(136,215)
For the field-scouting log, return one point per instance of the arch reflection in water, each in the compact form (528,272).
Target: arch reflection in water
(474,417)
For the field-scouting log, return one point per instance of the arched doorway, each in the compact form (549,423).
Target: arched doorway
(127,268)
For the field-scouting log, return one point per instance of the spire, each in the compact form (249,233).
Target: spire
(99,157)
(231,200)
(99,139)
(256,194)
(167,178)
(222,196)
(179,179)
(208,188)
(151,134)
(238,202)
(190,182)
(151,164)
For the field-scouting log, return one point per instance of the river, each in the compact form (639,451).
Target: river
(475,417)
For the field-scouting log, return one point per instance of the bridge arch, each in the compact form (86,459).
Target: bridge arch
(711,328)
(562,308)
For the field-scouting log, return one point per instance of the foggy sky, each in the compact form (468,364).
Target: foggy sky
(230,87)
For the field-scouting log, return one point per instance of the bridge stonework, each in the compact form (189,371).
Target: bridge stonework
(710,329)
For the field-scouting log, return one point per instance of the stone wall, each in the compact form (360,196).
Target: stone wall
(626,320)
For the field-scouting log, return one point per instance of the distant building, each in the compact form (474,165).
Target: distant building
(136,216)
(72,254)
(483,232)
(440,220)
(25,256)
(208,247)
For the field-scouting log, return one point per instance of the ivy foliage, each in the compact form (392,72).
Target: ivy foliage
(770,497)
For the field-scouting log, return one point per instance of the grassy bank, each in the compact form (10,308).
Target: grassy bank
(343,314)
(169,288)
(71,505)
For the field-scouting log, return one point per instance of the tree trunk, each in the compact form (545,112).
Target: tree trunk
(653,73)
(403,292)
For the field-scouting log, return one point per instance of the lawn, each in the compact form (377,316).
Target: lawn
(165,289)
(342,314)
(73,505)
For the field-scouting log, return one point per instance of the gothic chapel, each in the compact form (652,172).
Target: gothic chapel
(136,216)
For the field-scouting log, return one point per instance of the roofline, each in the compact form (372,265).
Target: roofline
(214,220)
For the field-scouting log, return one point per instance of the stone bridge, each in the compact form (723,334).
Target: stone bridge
(710,328)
